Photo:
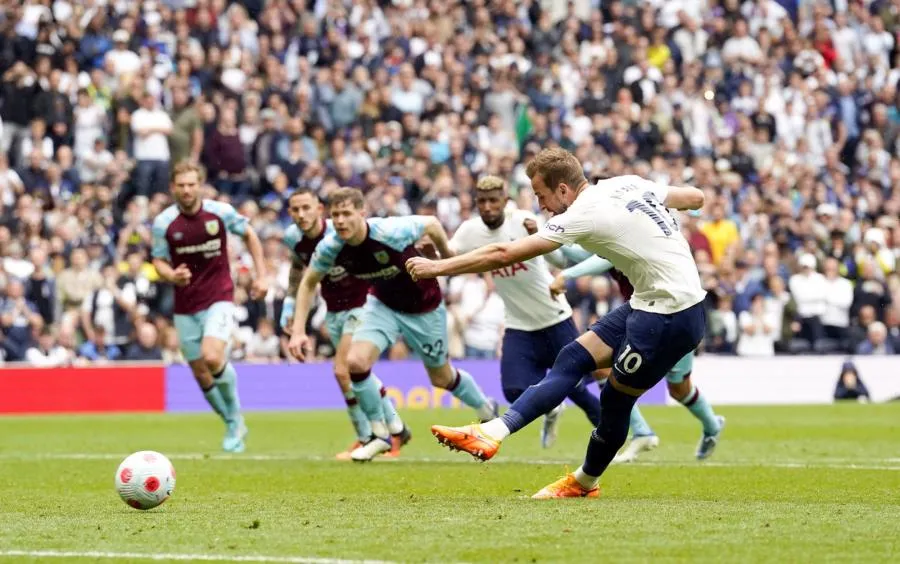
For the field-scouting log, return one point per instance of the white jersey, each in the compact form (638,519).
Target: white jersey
(524,286)
(624,220)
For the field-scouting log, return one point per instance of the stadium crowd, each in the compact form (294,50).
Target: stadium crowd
(788,117)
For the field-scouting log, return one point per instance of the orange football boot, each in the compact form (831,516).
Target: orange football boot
(567,486)
(398,441)
(469,438)
(345,455)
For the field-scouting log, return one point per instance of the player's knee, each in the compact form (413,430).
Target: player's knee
(512,394)
(213,358)
(358,363)
(679,390)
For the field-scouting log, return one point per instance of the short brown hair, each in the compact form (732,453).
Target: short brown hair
(352,195)
(490,183)
(186,166)
(556,166)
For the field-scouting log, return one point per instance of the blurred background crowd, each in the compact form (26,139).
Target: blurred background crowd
(786,113)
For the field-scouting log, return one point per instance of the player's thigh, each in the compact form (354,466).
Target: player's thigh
(377,329)
(653,344)
(341,326)
(426,334)
(522,364)
(218,329)
(190,335)
(606,335)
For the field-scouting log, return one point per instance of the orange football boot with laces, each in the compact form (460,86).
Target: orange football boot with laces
(567,486)
(469,438)
(345,455)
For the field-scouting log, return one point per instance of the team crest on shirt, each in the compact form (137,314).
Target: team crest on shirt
(212,227)
(382,257)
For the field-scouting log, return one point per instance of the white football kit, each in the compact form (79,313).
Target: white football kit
(524,286)
(624,220)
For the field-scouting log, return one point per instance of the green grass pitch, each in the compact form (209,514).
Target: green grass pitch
(805,484)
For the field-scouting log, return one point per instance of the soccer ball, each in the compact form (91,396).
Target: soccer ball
(145,479)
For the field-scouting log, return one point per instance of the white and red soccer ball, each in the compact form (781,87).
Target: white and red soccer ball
(145,479)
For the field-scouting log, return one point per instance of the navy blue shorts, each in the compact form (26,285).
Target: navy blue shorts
(528,355)
(647,345)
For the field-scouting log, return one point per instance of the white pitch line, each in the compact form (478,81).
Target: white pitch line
(837,464)
(170,557)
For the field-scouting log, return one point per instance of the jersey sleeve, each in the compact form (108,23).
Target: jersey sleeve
(291,238)
(234,222)
(159,246)
(567,228)
(655,188)
(399,232)
(593,265)
(325,254)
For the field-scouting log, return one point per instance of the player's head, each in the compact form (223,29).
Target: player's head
(306,209)
(347,209)
(490,198)
(186,180)
(556,175)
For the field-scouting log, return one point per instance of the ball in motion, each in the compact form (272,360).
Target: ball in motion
(145,479)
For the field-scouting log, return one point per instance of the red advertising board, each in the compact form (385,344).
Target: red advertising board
(82,390)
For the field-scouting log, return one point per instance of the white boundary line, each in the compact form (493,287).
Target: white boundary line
(833,463)
(169,557)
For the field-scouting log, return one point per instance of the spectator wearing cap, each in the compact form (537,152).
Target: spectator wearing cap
(808,288)
(849,385)
(151,127)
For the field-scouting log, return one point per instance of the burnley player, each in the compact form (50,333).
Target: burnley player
(376,250)
(193,234)
(678,379)
(538,325)
(626,220)
(344,297)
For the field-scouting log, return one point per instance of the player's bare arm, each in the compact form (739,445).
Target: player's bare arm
(305,292)
(179,276)
(684,198)
(294,277)
(438,236)
(489,257)
(261,280)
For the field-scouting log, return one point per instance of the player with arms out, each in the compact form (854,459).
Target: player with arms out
(193,234)
(538,325)
(376,250)
(624,219)
(678,379)
(344,297)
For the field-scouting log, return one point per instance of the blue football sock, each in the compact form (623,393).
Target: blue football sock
(214,397)
(588,402)
(394,423)
(357,417)
(367,389)
(700,408)
(639,425)
(571,365)
(608,438)
(466,390)
(226,382)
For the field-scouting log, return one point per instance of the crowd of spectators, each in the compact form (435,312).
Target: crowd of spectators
(786,113)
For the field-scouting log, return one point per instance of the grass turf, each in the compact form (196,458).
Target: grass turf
(787,484)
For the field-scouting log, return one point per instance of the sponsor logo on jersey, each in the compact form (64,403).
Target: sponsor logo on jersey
(388,272)
(212,227)
(211,246)
(178,236)
(555,228)
(508,271)
(382,257)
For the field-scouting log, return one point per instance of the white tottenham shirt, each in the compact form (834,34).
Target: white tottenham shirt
(625,221)
(524,286)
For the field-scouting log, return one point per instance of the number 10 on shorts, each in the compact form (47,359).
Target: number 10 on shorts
(629,361)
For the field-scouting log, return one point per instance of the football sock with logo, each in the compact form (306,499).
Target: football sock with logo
(466,390)
(368,393)
(639,425)
(608,438)
(226,382)
(214,398)
(571,365)
(700,408)
(357,417)
(394,423)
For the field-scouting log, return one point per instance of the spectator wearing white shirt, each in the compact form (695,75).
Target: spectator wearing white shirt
(120,59)
(759,330)
(838,299)
(808,288)
(151,126)
(47,353)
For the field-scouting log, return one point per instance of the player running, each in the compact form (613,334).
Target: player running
(193,234)
(678,379)
(538,325)
(626,220)
(376,250)
(344,297)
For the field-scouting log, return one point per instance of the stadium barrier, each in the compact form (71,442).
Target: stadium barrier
(143,388)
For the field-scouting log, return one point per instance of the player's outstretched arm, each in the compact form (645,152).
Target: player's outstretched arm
(305,292)
(684,198)
(287,308)
(438,236)
(484,259)
(593,265)
(261,278)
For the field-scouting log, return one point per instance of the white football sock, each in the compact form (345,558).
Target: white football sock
(587,481)
(496,429)
(380,430)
